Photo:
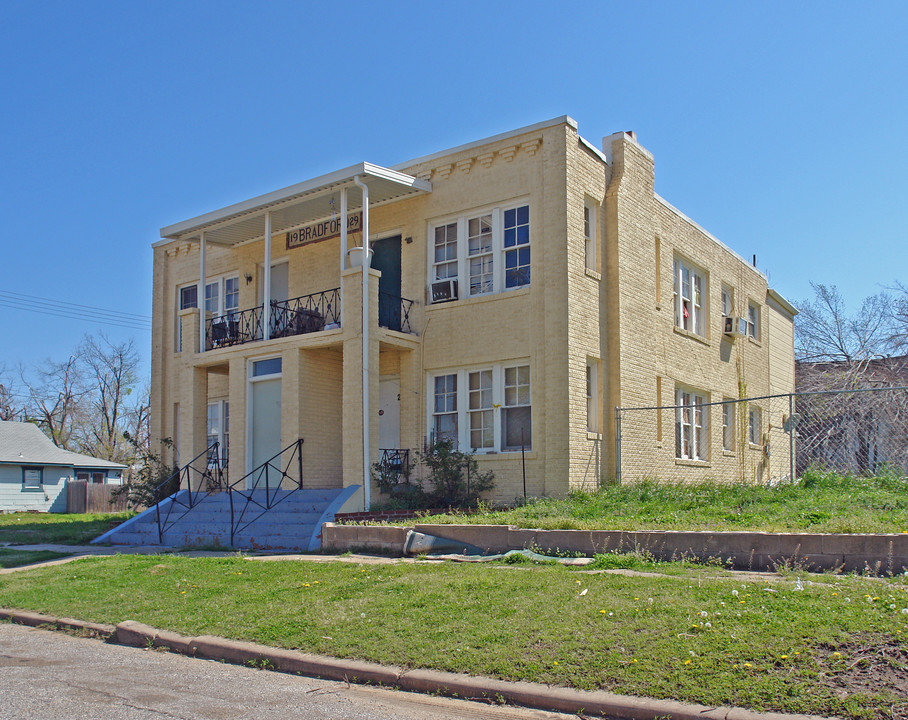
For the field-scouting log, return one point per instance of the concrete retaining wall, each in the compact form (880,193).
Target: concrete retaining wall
(882,553)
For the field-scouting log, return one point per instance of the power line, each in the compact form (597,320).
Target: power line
(34,299)
(113,319)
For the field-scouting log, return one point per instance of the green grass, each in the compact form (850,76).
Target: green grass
(820,503)
(56,528)
(835,647)
(18,558)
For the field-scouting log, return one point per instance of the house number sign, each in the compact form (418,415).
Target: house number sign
(325,230)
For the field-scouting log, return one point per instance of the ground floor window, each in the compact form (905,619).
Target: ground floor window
(218,431)
(32,477)
(728,426)
(754,430)
(486,409)
(691,425)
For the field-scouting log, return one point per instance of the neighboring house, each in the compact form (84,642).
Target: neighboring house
(34,471)
(521,288)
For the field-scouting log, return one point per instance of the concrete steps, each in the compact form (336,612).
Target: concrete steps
(293,524)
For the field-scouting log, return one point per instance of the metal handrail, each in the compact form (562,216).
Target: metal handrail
(234,328)
(270,475)
(394,312)
(306,314)
(212,476)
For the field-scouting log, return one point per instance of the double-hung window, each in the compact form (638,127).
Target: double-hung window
(589,234)
(754,426)
(222,296)
(691,425)
(689,293)
(486,409)
(592,399)
(218,431)
(753,320)
(32,478)
(728,426)
(444,414)
(485,252)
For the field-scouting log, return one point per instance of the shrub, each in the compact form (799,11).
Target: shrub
(454,476)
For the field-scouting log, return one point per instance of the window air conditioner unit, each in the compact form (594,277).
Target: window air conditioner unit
(444,290)
(734,326)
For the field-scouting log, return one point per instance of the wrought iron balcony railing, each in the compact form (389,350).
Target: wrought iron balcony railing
(306,314)
(394,312)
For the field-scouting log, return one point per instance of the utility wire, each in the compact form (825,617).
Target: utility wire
(34,299)
(85,315)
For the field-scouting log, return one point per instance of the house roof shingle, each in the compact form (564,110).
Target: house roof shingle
(25,444)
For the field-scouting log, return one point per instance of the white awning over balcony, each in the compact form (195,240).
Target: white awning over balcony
(297,205)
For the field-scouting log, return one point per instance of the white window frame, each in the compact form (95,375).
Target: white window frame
(218,424)
(464,413)
(753,320)
(221,307)
(690,310)
(496,254)
(728,301)
(449,408)
(592,395)
(754,426)
(691,424)
(590,234)
(729,411)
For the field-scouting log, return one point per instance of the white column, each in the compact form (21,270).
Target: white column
(266,293)
(367,261)
(343,228)
(203,274)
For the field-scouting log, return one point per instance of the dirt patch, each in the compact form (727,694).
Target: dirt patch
(872,665)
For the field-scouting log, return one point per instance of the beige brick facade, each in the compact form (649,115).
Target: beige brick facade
(605,304)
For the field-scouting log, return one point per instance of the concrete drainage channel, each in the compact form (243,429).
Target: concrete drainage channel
(533,695)
(758,551)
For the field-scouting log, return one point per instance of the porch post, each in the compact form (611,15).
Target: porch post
(201,294)
(343,228)
(367,261)
(266,293)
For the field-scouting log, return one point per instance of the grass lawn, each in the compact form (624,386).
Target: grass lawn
(58,528)
(837,646)
(820,503)
(18,558)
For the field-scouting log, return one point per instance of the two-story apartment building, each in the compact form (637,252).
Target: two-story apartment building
(517,290)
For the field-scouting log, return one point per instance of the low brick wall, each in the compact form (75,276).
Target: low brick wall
(383,515)
(882,553)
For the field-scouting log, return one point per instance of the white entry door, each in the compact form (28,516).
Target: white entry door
(389,412)
(264,422)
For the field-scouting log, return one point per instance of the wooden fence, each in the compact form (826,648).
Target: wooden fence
(85,497)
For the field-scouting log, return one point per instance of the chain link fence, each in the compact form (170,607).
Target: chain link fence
(766,439)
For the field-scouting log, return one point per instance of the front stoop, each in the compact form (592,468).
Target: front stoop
(294,523)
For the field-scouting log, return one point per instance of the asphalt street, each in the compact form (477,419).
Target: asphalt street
(48,675)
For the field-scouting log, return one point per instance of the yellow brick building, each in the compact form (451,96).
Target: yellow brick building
(520,289)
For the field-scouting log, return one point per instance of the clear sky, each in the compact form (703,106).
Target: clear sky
(780,127)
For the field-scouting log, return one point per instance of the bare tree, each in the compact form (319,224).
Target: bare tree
(55,399)
(110,375)
(10,407)
(825,332)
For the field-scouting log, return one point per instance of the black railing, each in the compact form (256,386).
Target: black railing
(394,312)
(258,490)
(201,476)
(395,460)
(234,328)
(306,314)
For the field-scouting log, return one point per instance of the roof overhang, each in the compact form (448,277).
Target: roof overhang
(297,205)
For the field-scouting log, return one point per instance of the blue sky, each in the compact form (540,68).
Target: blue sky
(779,127)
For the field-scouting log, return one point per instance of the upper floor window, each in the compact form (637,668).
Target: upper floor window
(728,301)
(691,425)
(189,297)
(484,253)
(753,320)
(589,234)
(689,294)
(222,296)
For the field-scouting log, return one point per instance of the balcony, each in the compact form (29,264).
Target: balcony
(394,312)
(298,316)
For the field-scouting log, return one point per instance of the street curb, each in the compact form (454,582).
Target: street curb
(469,687)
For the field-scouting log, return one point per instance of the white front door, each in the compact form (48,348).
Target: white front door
(264,422)
(389,412)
